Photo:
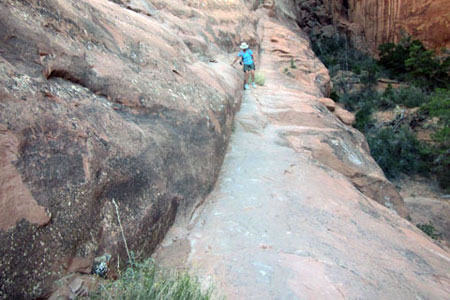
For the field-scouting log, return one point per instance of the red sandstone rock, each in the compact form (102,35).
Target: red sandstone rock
(16,201)
(99,103)
(373,22)
(383,21)
(345,116)
(329,103)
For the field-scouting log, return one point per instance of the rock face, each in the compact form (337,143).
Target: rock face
(101,103)
(370,23)
(344,149)
(383,21)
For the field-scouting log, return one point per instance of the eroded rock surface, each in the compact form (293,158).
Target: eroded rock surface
(292,215)
(374,22)
(386,20)
(100,101)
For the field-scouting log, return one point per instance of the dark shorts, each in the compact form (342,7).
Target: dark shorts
(249,67)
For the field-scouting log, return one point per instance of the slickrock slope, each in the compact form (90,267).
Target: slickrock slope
(100,102)
(285,220)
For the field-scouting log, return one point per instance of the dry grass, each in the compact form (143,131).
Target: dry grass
(260,79)
(146,281)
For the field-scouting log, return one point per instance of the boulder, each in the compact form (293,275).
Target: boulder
(329,103)
(345,116)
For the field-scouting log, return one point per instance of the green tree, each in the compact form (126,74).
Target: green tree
(420,64)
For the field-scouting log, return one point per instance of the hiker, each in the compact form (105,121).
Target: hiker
(248,59)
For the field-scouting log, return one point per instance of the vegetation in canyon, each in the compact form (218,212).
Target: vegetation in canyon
(430,230)
(145,280)
(417,95)
(260,79)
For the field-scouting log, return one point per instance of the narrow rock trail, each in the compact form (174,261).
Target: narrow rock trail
(281,225)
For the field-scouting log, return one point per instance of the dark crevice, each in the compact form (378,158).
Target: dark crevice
(64,75)
(176,72)
(139,11)
(136,10)
(346,5)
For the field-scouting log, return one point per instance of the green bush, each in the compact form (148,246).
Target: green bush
(363,118)
(367,98)
(371,71)
(442,167)
(293,66)
(337,54)
(387,98)
(429,230)
(367,101)
(410,60)
(410,96)
(439,107)
(392,56)
(146,281)
(364,103)
(398,151)
(420,65)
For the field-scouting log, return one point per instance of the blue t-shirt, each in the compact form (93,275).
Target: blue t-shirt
(247,56)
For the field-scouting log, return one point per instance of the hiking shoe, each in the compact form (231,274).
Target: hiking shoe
(253,84)
(246,87)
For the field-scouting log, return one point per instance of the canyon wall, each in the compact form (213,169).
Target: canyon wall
(370,23)
(381,21)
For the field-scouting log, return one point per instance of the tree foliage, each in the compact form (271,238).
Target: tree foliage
(425,80)
(410,60)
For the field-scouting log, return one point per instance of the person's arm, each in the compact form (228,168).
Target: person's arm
(235,60)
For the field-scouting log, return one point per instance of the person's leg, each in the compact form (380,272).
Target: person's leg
(252,77)
(246,79)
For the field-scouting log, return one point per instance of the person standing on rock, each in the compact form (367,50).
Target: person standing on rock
(248,59)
